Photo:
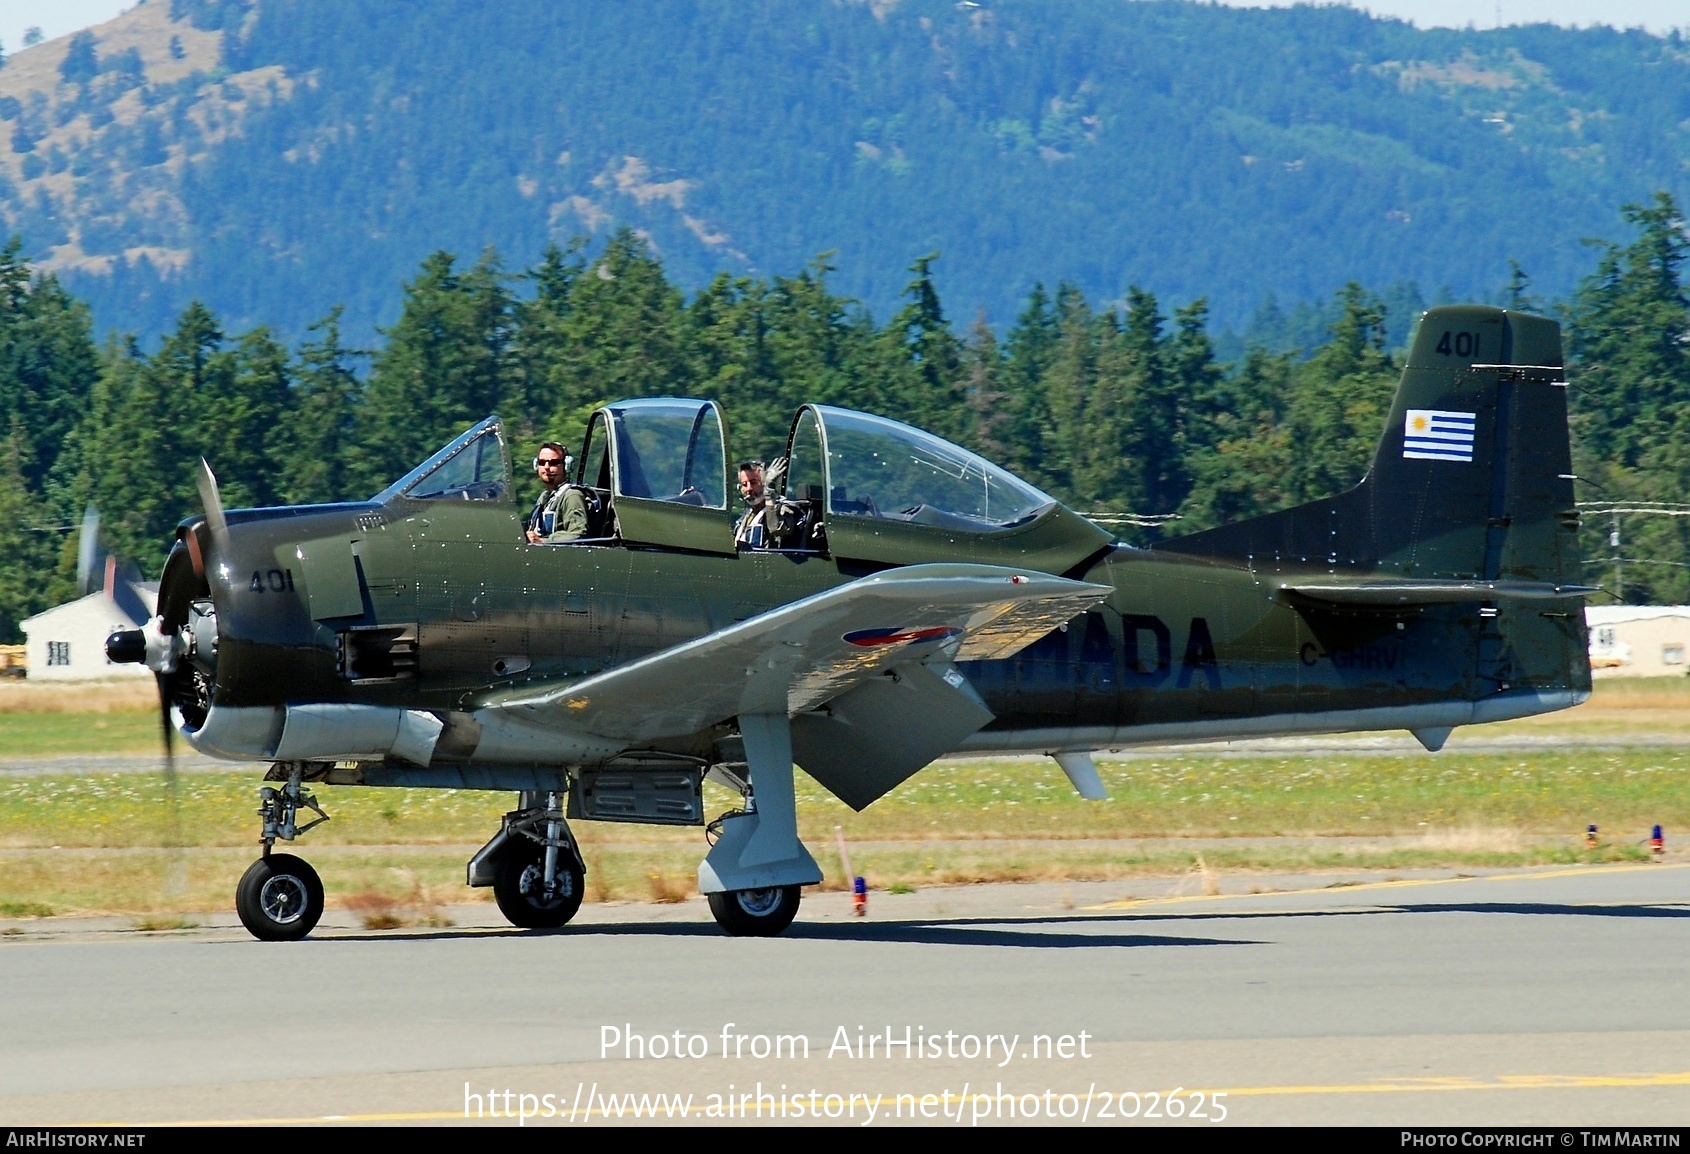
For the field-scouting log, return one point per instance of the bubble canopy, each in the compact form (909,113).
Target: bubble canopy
(884,470)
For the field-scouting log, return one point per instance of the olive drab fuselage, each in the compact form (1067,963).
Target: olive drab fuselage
(432,604)
(906,599)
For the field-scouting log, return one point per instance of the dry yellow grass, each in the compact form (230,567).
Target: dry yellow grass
(95,697)
(1617,706)
(668,889)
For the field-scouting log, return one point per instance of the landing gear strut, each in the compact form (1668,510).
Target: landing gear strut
(280,897)
(754,872)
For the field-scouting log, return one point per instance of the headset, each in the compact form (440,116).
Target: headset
(568,463)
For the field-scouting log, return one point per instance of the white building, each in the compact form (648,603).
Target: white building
(1639,640)
(68,642)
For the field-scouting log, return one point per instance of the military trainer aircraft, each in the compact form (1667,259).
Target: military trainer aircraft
(910,600)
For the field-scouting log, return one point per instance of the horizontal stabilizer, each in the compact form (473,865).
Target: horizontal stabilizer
(1398,591)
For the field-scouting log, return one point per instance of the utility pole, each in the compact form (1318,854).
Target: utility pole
(1612,510)
(1614,544)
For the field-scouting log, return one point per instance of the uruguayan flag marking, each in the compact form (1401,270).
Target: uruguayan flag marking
(1435,435)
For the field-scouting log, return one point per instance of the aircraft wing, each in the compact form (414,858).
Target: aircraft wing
(799,656)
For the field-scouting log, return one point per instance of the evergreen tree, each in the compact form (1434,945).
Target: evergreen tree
(1339,399)
(983,373)
(26,544)
(1069,378)
(311,447)
(1108,473)
(47,361)
(1628,334)
(1202,382)
(730,329)
(1244,470)
(250,402)
(1158,401)
(446,365)
(1028,350)
(82,61)
(621,334)
(125,452)
(929,393)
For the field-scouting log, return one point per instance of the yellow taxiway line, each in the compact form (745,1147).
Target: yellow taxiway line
(886,1102)
(1384,1086)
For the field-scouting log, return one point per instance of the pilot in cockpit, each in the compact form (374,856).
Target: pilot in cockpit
(748,533)
(756,482)
(560,514)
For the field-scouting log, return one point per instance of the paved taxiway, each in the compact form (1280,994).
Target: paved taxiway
(1551,996)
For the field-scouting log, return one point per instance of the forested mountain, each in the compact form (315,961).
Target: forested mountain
(281,157)
(1110,407)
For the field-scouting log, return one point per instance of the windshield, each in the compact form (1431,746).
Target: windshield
(670,450)
(472,468)
(880,468)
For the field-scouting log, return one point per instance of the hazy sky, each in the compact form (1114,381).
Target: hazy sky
(62,17)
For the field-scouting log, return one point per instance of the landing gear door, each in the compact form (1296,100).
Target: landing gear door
(669,473)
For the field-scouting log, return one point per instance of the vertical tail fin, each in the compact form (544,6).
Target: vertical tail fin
(1472,478)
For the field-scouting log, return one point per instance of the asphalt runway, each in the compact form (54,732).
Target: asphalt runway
(1551,996)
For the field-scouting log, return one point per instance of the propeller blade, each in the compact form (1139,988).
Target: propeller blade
(87,548)
(175,867)
(213,503)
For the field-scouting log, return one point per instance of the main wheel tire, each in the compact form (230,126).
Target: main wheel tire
(755,913)
(279,898)
(519,887)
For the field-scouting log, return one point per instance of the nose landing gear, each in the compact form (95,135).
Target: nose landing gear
(280,897)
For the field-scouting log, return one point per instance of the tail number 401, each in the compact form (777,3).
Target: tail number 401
(1459,345)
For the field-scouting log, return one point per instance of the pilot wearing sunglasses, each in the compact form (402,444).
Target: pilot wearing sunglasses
(561,512)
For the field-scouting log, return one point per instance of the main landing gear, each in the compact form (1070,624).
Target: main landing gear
(533,865)
(753,874)
(280,897)
(755,913)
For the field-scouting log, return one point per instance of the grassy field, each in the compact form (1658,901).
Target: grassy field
(116,842)
(101,842)
(40,719)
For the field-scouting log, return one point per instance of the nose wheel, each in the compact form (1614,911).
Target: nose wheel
(279,898)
